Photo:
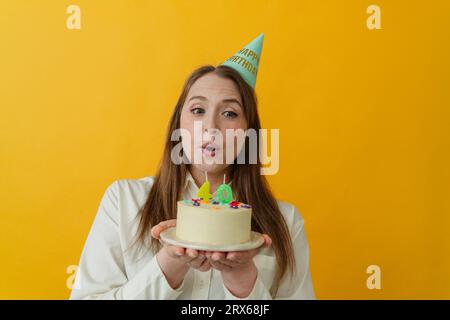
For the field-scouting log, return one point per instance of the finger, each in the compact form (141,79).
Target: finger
(175,251)
(197,262)
(230,263)
(160,227)
(236,259)
(192,253)
(205,266)
(235,256)
(219,266)
(163,225)
(242,256)
(155,231)
(267,240)
(218,256)
(168,223)
(189,255)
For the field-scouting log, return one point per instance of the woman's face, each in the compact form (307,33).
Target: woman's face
(216,104)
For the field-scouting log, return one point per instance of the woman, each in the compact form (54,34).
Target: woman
(121,261)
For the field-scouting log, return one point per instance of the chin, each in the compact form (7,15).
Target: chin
(210,168)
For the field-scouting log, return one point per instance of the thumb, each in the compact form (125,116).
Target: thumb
(156,231)
(267,241)
(160,227)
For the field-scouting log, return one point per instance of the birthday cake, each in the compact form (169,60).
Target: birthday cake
(214,221)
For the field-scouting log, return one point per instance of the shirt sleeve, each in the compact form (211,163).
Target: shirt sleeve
(101,272)
(259,292)
(298,287)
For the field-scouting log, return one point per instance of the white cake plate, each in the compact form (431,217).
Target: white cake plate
(168,236)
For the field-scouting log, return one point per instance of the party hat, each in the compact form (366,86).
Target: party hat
(246,60)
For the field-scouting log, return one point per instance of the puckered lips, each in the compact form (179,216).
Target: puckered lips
(209,149)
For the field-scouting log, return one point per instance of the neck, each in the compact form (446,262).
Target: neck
(215,178)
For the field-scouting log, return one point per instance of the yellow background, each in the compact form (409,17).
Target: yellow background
(363,116)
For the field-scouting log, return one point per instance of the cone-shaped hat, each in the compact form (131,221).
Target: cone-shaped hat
(246,60)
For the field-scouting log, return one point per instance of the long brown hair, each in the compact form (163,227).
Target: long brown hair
(251,187)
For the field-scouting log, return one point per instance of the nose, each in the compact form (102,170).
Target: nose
(209,123)
(210,127)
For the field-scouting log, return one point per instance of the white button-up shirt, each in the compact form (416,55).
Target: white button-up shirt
(108,271)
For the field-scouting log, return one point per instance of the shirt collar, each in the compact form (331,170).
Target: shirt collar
(189,180)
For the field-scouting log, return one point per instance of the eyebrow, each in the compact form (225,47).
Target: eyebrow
(224,100)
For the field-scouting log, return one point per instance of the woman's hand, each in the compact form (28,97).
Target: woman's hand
(238,270)
(179,255)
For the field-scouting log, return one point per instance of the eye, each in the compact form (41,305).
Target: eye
(230,114)
(197,110)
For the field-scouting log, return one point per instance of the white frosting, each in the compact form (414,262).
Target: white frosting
(213,224)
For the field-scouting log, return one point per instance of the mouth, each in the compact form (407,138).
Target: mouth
(209,149)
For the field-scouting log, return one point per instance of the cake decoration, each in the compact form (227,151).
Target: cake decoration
(234,204)
(224,195)
(204,191)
